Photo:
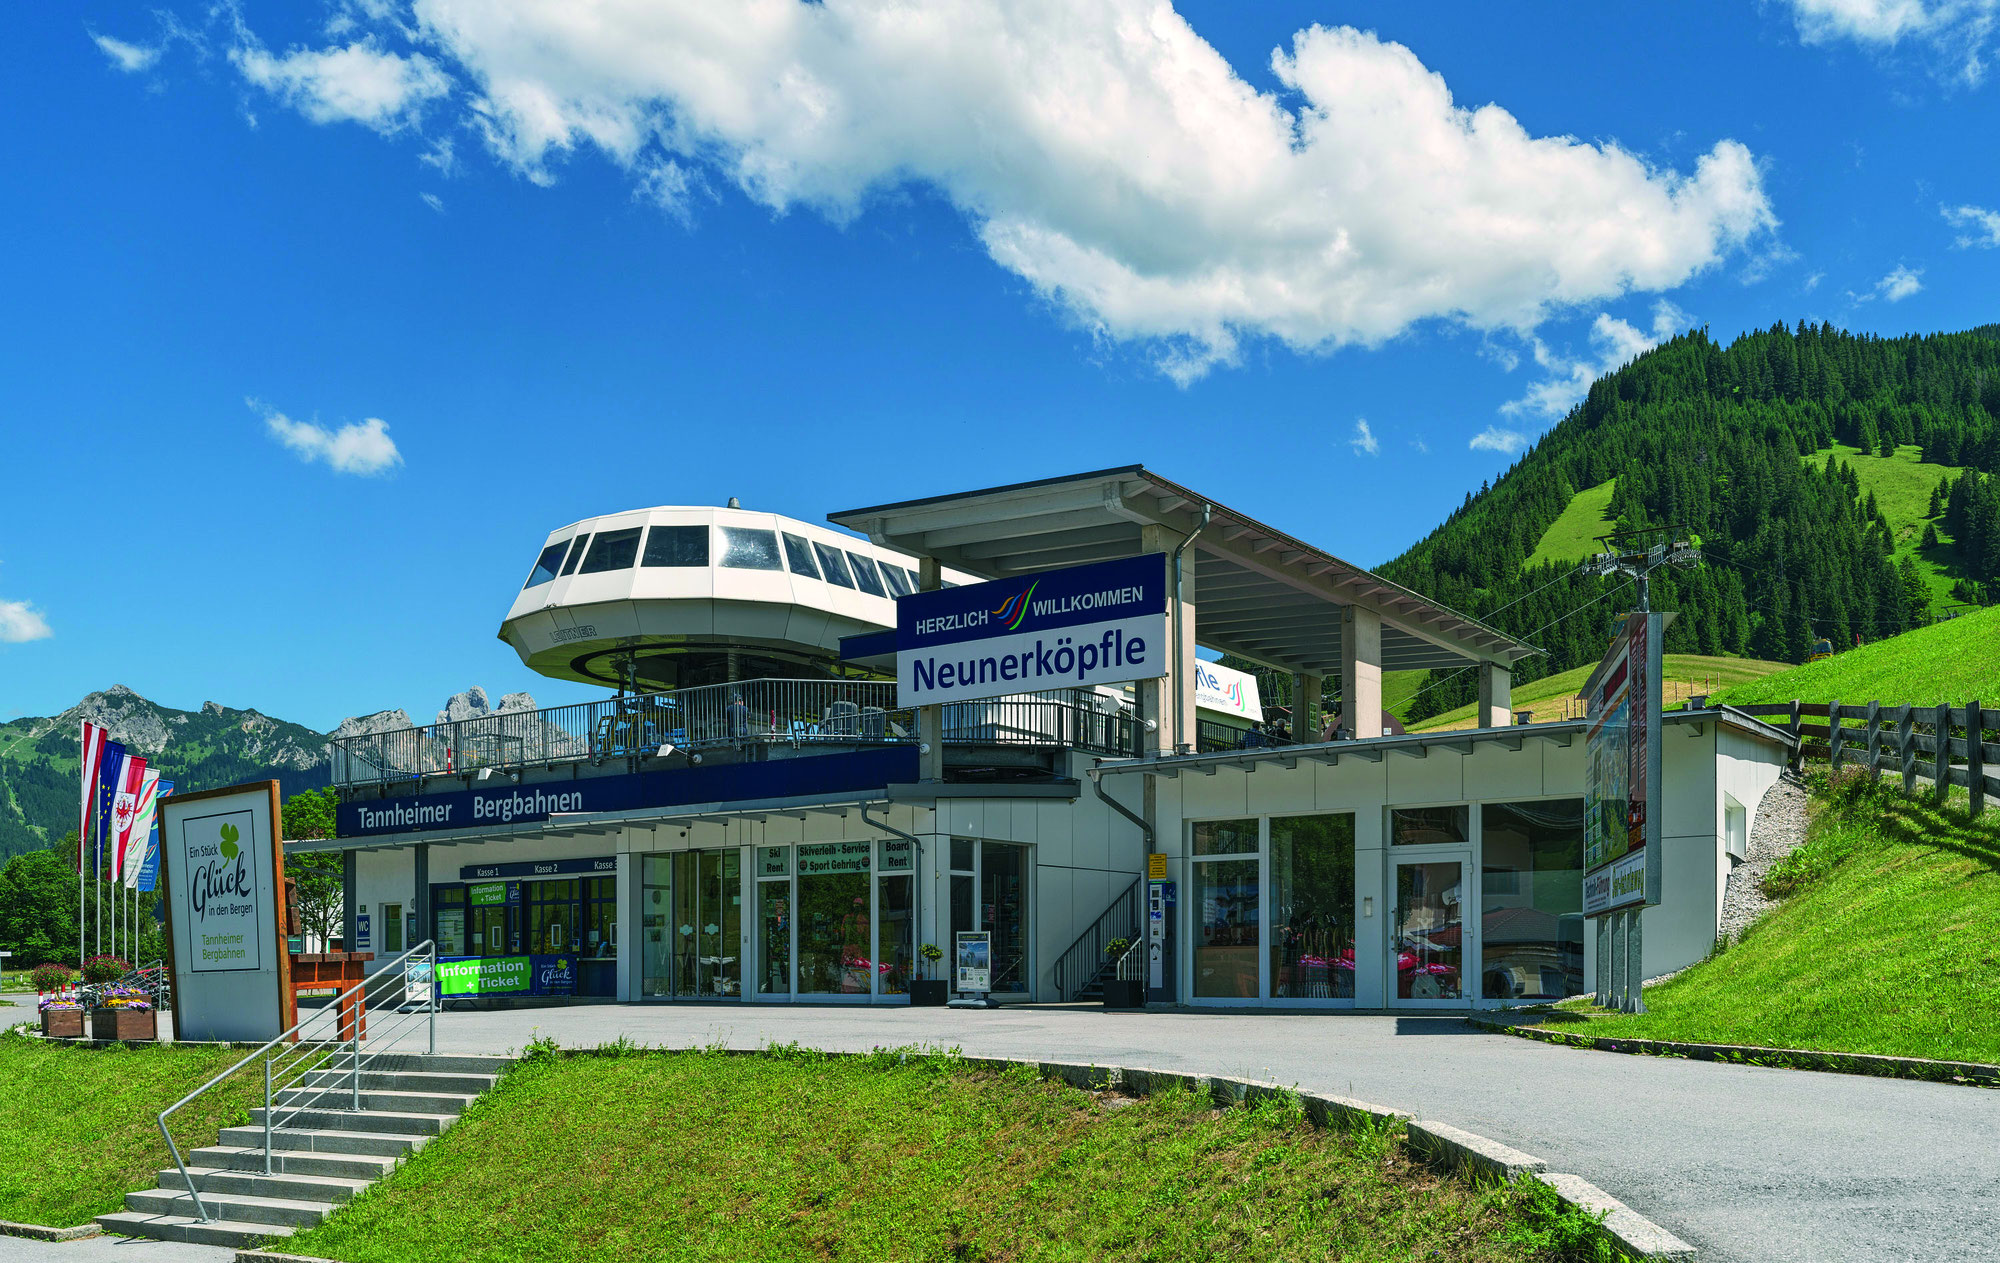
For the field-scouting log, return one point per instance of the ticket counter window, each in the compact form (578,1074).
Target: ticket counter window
(552,917)
(600,918)
(487,933)
(448,903)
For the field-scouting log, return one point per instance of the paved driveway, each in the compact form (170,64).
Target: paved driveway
(1750,1164)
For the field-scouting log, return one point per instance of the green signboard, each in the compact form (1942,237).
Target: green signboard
(487,894)
(498,975)
(833,857)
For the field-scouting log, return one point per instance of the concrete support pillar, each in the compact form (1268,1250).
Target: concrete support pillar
(1360,671)
(930,719)
(1496,695)
(421,905)
(347,904)
(1305,708)
(1174,701)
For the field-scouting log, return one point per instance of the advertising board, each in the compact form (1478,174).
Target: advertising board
(1104,623)
(1621,853)
(1227,691)
(225,871)
(466,977)
(972,958)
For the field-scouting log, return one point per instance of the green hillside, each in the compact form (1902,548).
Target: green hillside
(1574,534)
(1681,676)
(1885,943)
(1955,661)
(1768,448)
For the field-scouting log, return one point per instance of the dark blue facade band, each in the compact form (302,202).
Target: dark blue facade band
(539,868)
(1098,593)
(856,771)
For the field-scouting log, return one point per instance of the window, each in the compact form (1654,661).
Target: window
(576,547)
(864,575)
(1531,912)
(611,550)
(392,929)
(899,583)
(1225,837)
(832,563)
(800,556)
(1229,924)
(746,548)
(448,913)
(676,546)
(1312,907)
(547,564)
(1423,826)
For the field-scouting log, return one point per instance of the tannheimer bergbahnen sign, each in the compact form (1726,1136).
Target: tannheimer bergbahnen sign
(1098,624)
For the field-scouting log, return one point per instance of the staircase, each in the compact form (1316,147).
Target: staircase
(321,1156)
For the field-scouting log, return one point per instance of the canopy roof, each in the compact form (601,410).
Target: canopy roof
(1258,592)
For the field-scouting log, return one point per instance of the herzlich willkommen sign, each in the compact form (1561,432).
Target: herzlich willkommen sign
(1104,623)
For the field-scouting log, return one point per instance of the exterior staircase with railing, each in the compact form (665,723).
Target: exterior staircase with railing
(343,1107)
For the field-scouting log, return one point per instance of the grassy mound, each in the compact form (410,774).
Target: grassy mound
(1888,941)
(1682,674)
(77,1128)
(795,1154)
(1956,661)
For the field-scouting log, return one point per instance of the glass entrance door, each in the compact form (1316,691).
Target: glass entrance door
(708,924)
(1427,930)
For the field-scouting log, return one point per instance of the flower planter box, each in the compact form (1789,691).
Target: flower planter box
(124,1024)
(929,992)
(62,1023)
(1124,993)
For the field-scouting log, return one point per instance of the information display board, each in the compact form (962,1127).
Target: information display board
(1621,853)
(972,957)
(222,855)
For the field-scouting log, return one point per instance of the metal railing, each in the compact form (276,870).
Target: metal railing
(1085,957)
(152,979)
(1132,962)
(322,1058)
(798,713)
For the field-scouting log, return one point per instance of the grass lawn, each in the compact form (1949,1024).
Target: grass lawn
(1888,941)
(1573,535)
(77,1129)
(1682,675)
(1955,661)
(795,1155)
(1902,485)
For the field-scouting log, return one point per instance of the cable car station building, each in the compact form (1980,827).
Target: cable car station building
(756,815)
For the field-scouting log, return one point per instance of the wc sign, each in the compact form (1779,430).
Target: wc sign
(1104,623)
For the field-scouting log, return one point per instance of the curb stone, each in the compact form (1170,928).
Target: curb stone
(40,1232)
(1879,1065)
(1439,1144)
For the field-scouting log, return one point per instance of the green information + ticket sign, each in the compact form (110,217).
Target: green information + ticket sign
(498,975)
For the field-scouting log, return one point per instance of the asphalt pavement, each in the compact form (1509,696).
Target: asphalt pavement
(1749,1164)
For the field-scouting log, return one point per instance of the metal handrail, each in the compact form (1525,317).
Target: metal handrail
(1085,957)
(324,1049)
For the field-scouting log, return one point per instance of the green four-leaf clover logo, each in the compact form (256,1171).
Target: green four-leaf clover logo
(229,836)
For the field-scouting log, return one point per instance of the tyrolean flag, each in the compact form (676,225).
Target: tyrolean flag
(124,810)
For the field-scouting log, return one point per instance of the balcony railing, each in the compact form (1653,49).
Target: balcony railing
(796,713)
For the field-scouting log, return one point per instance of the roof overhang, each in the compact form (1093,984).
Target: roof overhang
(1258,592)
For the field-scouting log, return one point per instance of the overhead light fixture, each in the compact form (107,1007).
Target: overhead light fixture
(485,772)
(666,750)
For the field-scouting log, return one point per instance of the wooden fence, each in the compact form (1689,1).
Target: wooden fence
(1945,744)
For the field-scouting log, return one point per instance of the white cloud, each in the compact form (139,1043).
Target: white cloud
(1364,442)
(21,622)
(1899,284)
(1979,226)
(1106,153)
(433,201)
(1812,281)
(358,83)
(362,447)
(1957,31)
(130,58)
(1423,448)
(1614,342)
(1495,439)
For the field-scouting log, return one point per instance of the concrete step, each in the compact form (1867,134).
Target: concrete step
(403,1080)
(245,1208)
(341,1141)
(347,1166)
(438,1063)
(333,1189)
(232,1234)
(339,1096)
(378,1121)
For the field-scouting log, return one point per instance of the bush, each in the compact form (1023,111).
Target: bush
(52,977)
(102,969)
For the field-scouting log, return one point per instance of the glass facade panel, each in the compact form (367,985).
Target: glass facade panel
(865,575)
(676,546)
(898,581)
(1312,907)
(746,548)
(799,556)
(961,854)
(896,927)
(834,934)
(1425,826)
(392,928)
(774,937)
(552,916)
(1429,930)
(576,547)
(547,564)
(1228,928)
(656,926)
(600,918)
(611,550)
(1225,837)
(832,564)
(1531,906)
(448,908)
(1003,907)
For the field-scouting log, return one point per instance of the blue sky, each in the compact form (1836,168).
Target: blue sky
(321,316)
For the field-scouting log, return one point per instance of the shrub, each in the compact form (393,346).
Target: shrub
(52,977)
(1117,947)
(102,969)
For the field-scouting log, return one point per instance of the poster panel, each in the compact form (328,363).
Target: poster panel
(973,960)
(223,861)
(1622,770)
